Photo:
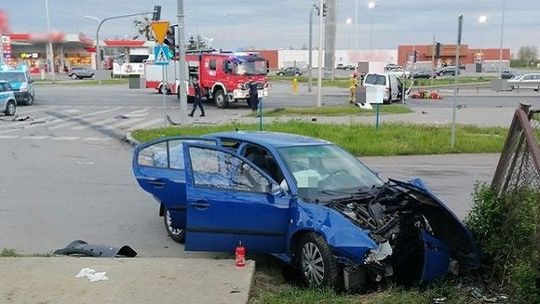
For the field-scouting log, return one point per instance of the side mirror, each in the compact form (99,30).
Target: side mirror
(276,190)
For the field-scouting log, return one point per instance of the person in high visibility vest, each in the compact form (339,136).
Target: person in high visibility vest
(353,83)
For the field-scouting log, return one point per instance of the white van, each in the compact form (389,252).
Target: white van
(390,82)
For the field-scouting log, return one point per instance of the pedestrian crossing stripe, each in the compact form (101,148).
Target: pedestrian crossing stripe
(161,53)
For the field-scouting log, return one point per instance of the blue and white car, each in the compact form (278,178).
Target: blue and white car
(22,85)
(8,104)
(306,201)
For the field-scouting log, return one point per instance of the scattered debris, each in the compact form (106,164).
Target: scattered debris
(313,118)
(92,275)
(22,118)
(425,94)
(37,122)
(235,290)
(499,106)
(476,293)
(85,163)
(79,248)
(424,112)
(439,300)
(365,106)
(461,106)
(123,116)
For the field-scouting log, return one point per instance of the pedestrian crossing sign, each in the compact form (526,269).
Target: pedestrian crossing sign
(162,55)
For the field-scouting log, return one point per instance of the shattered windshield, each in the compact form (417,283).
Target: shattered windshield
(257,67)
(327,168)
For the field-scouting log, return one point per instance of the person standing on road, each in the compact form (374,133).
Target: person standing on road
(198,98)
(353,83)
(253,96)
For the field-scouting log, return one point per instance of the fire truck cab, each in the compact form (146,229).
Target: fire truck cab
(223,75)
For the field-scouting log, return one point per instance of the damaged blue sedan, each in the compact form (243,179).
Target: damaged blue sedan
(306,201)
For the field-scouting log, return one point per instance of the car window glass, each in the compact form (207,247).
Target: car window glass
(176,153)
(263,159)
(527,77)
(216,169)
(2,87)
(230,144)
(154,156)
(375,79)
(212,64)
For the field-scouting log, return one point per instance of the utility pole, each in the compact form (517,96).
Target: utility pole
(310,42)
(50,51)
(456,73)
(180,37)
(356,25)
(319,59)
(432,61)
(502,36)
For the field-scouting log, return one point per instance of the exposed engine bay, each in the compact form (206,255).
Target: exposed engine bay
(401,222)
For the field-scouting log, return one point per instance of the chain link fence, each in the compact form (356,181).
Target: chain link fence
(519,165)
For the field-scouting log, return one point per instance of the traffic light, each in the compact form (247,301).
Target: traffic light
(415,56)
(438,46)
(170,38)
(157,13)
(324,9)
(101,54)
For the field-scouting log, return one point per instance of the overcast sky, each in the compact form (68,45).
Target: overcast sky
(284,23)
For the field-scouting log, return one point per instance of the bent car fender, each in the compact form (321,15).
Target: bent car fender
(347,239)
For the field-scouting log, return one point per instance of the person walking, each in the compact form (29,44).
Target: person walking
(353,83)
(198,98)
(253,96)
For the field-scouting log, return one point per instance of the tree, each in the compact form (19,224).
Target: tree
(143,28)
(193,45)
(528,54)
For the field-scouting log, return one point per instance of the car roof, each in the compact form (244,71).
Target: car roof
(275,139)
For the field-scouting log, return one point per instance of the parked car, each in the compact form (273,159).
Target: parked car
(508,74)
(349,66)
(8,104)
(81,73)
(447,71)
(307,202)
(22,85)
(392,66)
(398,72)
(390,82)
(289,71)
(525,81)
(422,74)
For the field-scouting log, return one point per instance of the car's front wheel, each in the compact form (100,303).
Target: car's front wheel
(11,108)
(316,264)
(177,234)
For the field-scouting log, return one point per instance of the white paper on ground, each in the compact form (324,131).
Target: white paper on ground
(92,275)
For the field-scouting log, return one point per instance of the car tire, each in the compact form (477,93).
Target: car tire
(73,76)
(316,264)
(177,234)
(220,99)
(159,90)
(30,100)
(11,108)
(510,88)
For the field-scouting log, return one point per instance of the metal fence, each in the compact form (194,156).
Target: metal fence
(519,165)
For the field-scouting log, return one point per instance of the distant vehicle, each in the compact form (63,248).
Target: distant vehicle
(392,66)
(525,81)
(22,85)
(289,71)
(348,66)
(391,83)
(447,71)
(508,74)
(81,73)
(223,75)
(399,72)
(8,104)
(422,74)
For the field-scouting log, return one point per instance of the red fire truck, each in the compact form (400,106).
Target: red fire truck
(222,75)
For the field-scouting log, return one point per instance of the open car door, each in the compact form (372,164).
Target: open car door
(230,200)
(158,167)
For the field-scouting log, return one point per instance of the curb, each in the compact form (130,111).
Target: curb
(128,139)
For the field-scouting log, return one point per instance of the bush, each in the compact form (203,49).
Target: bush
(505,227)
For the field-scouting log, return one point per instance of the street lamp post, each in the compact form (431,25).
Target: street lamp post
(97,38)
(371,6)
(502,36)
(50,51)
(349,22)
(482,19)
(356,25)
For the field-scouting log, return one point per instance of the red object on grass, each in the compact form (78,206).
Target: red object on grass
(240,260)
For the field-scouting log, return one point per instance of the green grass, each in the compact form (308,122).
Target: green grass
(344,82)
(12,253)
(6,252)
(362,139)
(333,111)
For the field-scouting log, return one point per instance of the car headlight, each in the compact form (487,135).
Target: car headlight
(24,89)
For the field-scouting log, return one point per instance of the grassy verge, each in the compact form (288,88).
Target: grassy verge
(270,288)
(344,82)
(361,139)
(12,253)
(333,111)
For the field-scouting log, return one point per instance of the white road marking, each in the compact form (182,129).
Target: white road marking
(35,137)
(71,122)
(8,136)
(96,138)
(66,138)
